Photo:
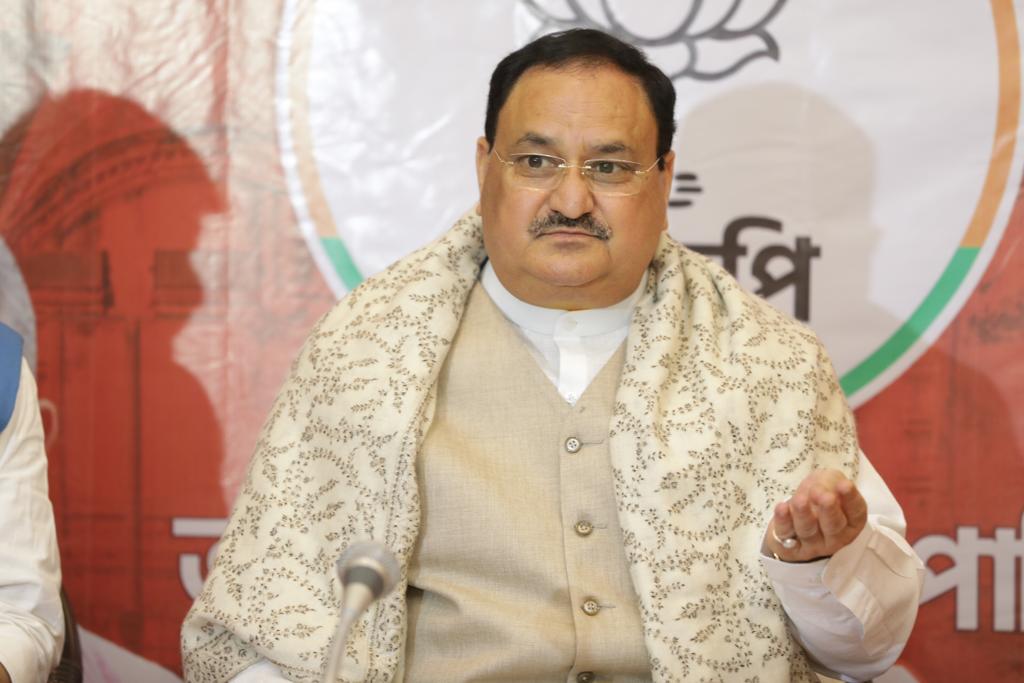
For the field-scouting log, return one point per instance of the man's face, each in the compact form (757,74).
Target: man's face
(568,247)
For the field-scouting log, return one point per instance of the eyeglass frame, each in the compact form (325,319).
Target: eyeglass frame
(584,168)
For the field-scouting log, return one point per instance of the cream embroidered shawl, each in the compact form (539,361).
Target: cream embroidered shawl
(724,405)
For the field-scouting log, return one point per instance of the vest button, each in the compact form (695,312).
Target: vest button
(585,677)
(573,445)
(590,607)
(584,528)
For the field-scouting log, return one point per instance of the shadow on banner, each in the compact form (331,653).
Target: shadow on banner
(101,205)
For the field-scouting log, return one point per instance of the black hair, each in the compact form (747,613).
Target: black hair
(585,47)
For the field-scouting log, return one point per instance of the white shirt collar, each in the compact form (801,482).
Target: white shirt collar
(550,321)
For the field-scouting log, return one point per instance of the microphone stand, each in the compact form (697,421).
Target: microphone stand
(367,571)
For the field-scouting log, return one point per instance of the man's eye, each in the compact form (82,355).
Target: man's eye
(536,165)
(609,168)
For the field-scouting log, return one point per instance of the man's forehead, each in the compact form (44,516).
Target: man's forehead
(536,140)
(548,105)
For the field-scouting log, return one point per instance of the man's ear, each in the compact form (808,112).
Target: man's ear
(483,158)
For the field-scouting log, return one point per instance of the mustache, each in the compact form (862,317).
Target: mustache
(586,223)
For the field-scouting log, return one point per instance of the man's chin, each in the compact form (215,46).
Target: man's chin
(568,289)
(569,272)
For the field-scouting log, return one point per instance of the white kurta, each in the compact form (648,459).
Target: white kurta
(31,617)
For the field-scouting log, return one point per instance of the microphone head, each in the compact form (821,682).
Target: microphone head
(370,563)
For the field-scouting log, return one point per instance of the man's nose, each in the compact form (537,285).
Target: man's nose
(572,196)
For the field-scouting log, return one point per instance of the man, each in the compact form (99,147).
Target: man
(572,432)
(31,616)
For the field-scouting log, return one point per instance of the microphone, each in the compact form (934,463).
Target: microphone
(368,570)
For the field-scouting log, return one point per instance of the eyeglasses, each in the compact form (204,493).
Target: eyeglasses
(610,177)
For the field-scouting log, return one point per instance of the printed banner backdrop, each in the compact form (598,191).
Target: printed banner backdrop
(186,187)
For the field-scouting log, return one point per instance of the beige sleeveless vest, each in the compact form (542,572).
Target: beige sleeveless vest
(519,572)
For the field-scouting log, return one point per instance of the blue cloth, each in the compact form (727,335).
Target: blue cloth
(10,372)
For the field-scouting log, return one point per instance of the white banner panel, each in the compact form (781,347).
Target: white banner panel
(845,160)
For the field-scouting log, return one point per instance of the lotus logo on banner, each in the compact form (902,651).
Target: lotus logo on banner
(840,159)
(703,40)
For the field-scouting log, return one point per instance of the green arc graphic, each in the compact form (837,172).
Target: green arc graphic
(919,321)
(342,261)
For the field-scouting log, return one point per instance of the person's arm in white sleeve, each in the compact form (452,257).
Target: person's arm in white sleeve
(31,616)
(854,611)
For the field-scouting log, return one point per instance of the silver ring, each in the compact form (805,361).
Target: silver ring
(787,543)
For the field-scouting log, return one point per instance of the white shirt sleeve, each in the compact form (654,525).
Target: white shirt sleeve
(31,616)
(853,612)
(263,671)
